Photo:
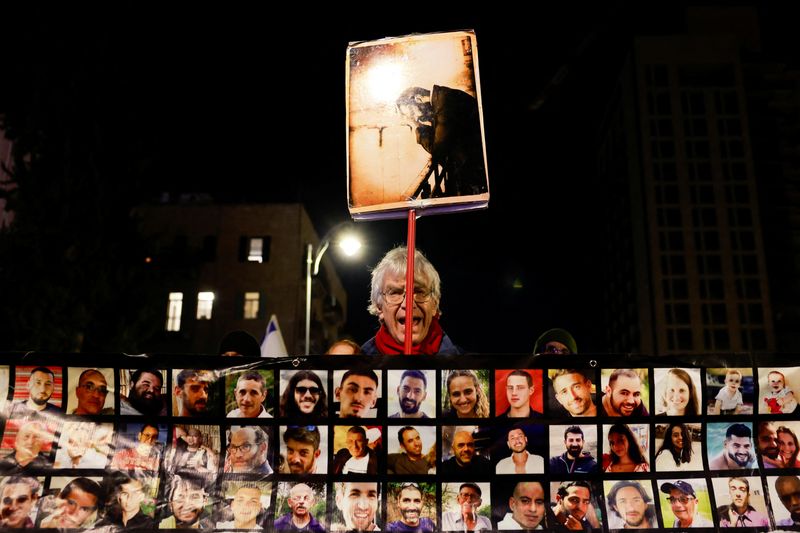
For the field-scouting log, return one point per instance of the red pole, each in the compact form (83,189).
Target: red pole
(411,247)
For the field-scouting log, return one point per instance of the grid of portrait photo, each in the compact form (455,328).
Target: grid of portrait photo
(369,444)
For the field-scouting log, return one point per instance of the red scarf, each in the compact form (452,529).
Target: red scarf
(429,345)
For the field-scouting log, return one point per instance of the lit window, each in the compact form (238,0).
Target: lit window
(251,302)
(174,311)
(255,251)
(205,301)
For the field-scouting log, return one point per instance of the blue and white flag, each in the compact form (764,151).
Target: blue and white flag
(273,345)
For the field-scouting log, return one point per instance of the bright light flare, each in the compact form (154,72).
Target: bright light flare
(350,245)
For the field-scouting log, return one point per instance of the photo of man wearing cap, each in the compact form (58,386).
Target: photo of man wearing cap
(682,507)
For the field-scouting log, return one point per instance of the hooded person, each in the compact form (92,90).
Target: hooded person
(556,341)
(239,343)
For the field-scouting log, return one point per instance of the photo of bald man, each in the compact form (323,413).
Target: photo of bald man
(89,391)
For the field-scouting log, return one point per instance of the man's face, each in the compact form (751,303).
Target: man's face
(469,499)
(148,435)
(356,444)
(577,501)
(301,457)
(631,507)
(768,441)
(574,393)
(194,396)
(249,397)
(244,454)
(146,392)
(358,503)
(740,495)
(527,505)
(40,387)
(517,441)
(410,504)
(29,439)
(412,443)
(130,497)
(246,504)
(776,382)
(411,393)
(79,505)
(463,447)
(626,395)
(301,499)
(194,438)
(16,502)
(683,505)
(356,395)
(739,449)
(91,392)
(306,395)
(788,490)
(187,503)
(394,316)
(574,444)
(518,391)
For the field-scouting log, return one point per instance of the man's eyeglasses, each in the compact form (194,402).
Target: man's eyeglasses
(396,296)
(21,500)
(313,390)
(90,388)
(244,448)
(683,499)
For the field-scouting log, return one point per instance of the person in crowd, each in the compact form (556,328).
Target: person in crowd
(76,505)
(676,451)
(411,459)
(521,461)
(92,391)
(631,506)
(624,453)
(779,398)
(389,303)
(528,508)
(683,501)
(27,452)
(788,489)
(767,445)
(467,398)
(187,498)
(191,390)
(411,392)
(143,455)
(573,501)
(409,502)
(623,394)
(739,513)
(788,447)
(680,395)
(247,508)
(356,457)
(737,450)
(573,390)
(145,395)
(729,399)
(250,393)
(304,397)
(358,502)
(40,386)
(124,507)
(466,518)
(465,461)
(357,393)
(302,449)
(190,454)
(248,448)
(18,499)
(237,343)
(574,460)
(344,347)
(556,341)
(301,499)
(519,390)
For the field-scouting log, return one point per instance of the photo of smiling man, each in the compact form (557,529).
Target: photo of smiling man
(246,394)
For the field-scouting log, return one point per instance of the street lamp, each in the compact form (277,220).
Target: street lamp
(348,242)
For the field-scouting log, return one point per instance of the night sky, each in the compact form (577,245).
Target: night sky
(249,106)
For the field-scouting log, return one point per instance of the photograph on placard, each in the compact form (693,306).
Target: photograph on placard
(630,504)
(573,392)
(408,393)
(576,504)
(465,394)
(573,449)
(357,393)
(357,506)
(19,500)
(243,505)
(518,393)
(27,444)
(777,390)
(193,448)
(466,506)
(90,391)
(685,503)
(71,502)
(522,506)
(784,498)
(139,446)
(677,391)
(466,451)
(730,391)
(248,449)
(411,450)
(301,507)
(248,393)
(5,377)
(84,444)
(130,503)
(678,447)
(351,451)
(37,391)
(626,392)
(303,450)
(777,443)
(519,448)
(194,393)
(730,446)
(304,394)
(627,448)
(143,392)
(188,502)
(740,501)
(411,506)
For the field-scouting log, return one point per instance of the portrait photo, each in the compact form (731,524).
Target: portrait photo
(519,448)
(193,448)
(37,390)
(625,392)
(84,444)
(575,503)
(143,392)
(351,451)
(91,391)
(678,447)
(194,393)
(357,393)
(5,376)
(730,391)
(740,502)
(522,505)
(357,506)
(130,502)
(139,446)
(466,451)
(776,386)
(465,394)
(464,503)
(71,502)
(244,505)
(630,504)
(303,450)
(408,393)
(301,506)
(784,498)
(730,446)
(685,503)
(304,394)
(188,502)
(518,393)
(410,506)
(573,449)
(626,448)
(19,500)
(411,450)
(248,394)
(678,391)
(248,449)
(573,392)
(26,444)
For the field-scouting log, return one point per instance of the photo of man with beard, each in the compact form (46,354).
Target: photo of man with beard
(409,503)
(412,393)
(193,393)
(38,385)
(630,505)
(737,447)
(145,393)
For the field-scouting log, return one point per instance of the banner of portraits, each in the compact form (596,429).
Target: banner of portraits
(366,444)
